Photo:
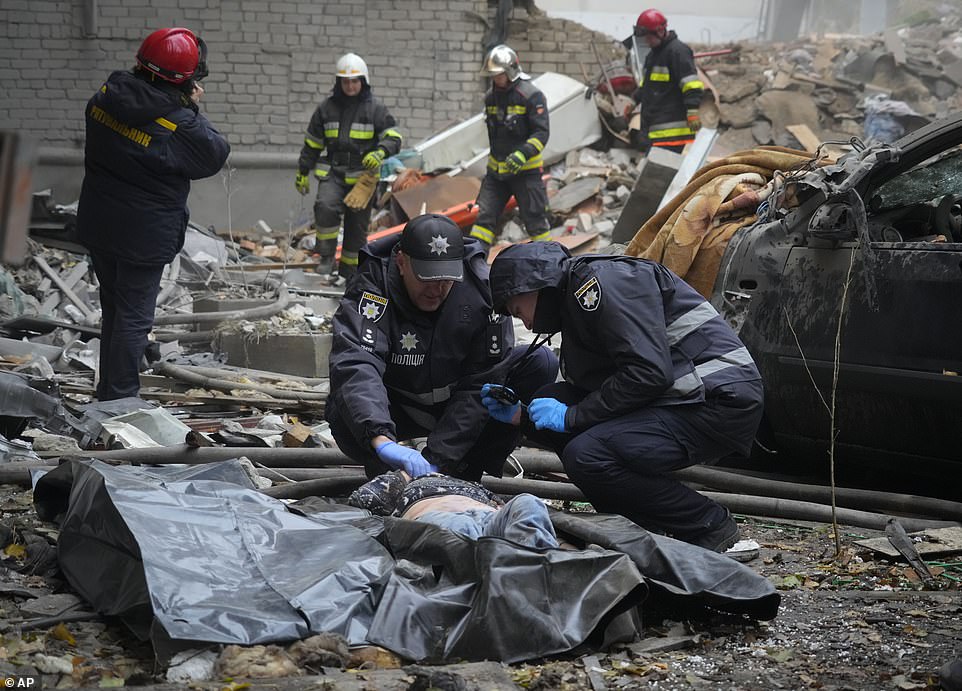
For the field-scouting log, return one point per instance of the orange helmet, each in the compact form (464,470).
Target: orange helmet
(175,55)
(650,22)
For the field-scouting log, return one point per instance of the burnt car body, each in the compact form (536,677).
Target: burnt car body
(859,230)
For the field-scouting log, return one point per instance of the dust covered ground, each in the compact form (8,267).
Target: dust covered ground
(856,621)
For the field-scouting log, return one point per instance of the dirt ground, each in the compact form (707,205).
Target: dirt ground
(853,622)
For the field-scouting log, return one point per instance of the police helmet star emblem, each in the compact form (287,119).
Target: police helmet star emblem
(589,295)
(439,245)
(371,306)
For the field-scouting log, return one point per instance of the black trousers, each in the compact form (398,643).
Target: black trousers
(489,451)
(621,464)
(528,190)
(329,208)
(128,296)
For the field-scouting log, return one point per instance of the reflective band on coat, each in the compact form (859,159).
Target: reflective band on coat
(689,321)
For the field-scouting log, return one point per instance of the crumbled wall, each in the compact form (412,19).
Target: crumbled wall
(271,61)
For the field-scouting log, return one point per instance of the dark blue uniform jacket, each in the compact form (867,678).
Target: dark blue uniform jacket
(145,143)
(633,333)
(386,352)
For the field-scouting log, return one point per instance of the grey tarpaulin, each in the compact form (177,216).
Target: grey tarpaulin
(192,554)
(192,559)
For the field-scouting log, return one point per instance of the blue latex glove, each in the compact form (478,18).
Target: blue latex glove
(404,458)
(548,413)
(500,411)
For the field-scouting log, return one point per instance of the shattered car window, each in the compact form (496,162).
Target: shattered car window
(932,178)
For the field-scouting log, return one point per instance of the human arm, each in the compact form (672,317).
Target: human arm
(197,149)
(538,126)
(388,137)
(358,359)
(313,144)
(629,325)
(689,83)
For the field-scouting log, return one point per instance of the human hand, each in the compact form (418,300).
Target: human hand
(548,413)
(373,159)
(694,121)
(302,183)
(514,161)
(403,458)
(500,410)
(196,93)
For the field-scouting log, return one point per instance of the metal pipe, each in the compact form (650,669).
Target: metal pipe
(252,313)
(272,458)
(176,372)
(731,481)
(255,373)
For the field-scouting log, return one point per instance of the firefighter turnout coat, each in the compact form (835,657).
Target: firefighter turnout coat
(669,87)
(342,131)
(387,354)
(517,120)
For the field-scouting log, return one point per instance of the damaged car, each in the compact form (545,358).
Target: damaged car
(848,293)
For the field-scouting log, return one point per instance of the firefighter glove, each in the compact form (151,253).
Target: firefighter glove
(302,183)
(403,458)
(694,122)
(514,161)
(548,413)
(499,410)
(374,158)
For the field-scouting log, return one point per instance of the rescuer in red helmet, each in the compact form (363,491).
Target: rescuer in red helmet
(669,89)
(146,139)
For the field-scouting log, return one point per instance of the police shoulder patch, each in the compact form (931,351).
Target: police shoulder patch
(589,294)
(371,306)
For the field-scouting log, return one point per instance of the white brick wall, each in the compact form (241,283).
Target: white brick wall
(271,62)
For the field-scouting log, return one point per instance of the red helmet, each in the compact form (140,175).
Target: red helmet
(174,55)
(650,21)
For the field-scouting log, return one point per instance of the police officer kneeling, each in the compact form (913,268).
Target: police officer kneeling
(414,340)
(656,380)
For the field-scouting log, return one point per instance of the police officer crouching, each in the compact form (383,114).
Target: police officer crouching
(656,380)
(415,338)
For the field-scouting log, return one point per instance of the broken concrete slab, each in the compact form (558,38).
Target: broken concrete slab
(935,542)
(656,172)
(575,193)
(302,354)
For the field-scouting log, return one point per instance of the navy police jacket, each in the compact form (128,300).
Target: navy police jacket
(145,143)
(431,365)
(633,334)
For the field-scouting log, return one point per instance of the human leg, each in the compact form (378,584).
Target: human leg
(492,197)
(328,210)
(621,465)
(356,224)
(523,519)
(132,298)
(532,198)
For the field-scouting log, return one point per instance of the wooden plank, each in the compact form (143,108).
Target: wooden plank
(805,137)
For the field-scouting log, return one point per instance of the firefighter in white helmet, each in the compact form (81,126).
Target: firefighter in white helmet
(517,118)
(350,131)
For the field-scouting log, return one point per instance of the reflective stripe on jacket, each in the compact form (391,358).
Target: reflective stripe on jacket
(635,334)
(668,89)
(337,141)
(517,120)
